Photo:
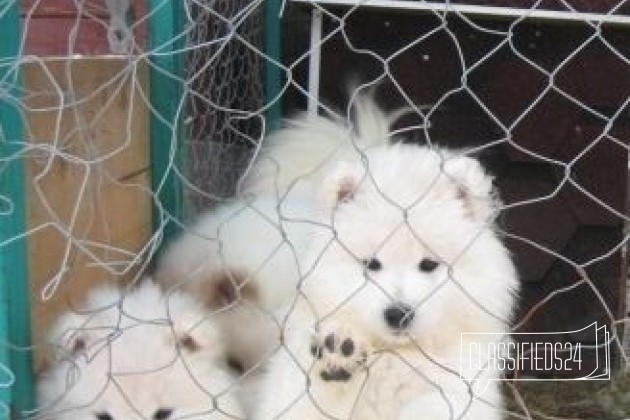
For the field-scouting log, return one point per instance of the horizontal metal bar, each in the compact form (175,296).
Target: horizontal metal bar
(423,6)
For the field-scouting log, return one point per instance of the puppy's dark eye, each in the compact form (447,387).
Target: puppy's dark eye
(427,265)
(372,264)
(163,414)
(103,415)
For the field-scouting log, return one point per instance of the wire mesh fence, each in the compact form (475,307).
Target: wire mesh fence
(442,235)
(226,96)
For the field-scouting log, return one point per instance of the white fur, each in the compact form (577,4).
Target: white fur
(120,355)
(264,232)
(246,237)
(299,153)
(342,196)
(407,203)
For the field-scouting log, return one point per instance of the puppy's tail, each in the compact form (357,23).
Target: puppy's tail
(307,143)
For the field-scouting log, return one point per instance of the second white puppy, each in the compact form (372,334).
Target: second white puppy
(138,355)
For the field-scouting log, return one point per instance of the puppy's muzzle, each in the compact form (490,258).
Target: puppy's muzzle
(399,316)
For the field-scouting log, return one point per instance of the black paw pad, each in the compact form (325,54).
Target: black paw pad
(329,342)
(347,347)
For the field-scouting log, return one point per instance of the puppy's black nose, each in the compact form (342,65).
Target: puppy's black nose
(399,316)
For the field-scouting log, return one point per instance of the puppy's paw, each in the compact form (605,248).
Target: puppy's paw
(338,352)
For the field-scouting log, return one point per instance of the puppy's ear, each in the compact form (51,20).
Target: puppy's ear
(340,184)
(227,287)
(196,332)
(70,336)
(473,186)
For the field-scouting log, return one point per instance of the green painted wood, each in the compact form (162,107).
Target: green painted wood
(15,314)
(273,73)
(166,84)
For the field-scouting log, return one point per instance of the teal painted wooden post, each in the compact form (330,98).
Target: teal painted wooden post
(15,315)
(166,85)
(273,73)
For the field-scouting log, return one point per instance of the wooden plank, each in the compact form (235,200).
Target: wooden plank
(66,8)
(106,113)
(59,28)
(87,184)
(51,37)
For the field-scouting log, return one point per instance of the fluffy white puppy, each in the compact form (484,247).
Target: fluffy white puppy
(405,263)
(243,257)
(387,252)
(138,355)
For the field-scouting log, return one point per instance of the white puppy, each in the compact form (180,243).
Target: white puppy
(139,355)
(405,262)
(243,257)
(388,251)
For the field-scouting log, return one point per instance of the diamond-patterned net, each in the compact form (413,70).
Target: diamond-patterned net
(536,90)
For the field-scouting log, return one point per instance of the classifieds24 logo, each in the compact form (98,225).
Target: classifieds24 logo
(535,356)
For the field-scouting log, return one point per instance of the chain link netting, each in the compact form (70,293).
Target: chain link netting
(226,94)
(538,91)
